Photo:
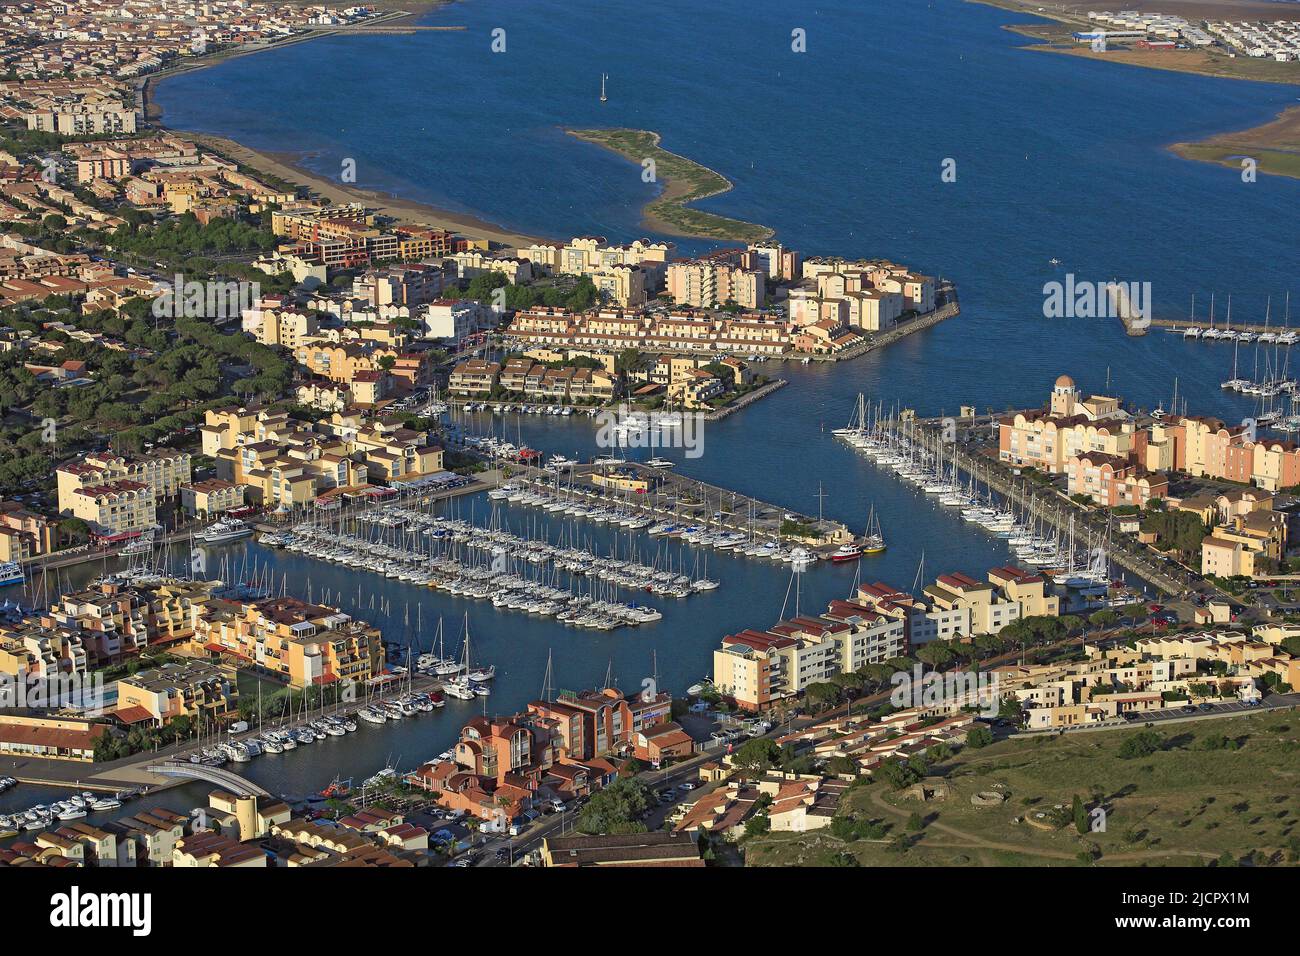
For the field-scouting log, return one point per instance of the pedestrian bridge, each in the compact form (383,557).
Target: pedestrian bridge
(214,775)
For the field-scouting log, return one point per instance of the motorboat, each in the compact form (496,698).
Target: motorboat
(846,552)
(228,529)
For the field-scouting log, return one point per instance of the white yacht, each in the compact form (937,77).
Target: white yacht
(226,530)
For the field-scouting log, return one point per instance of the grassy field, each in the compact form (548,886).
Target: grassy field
(1183,805)
(684,181)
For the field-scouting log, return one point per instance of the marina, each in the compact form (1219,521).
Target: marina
(1039,535)
(1012,506)
(514,572)
(618,491)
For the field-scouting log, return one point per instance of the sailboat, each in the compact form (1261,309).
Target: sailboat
(1235,384)
(874,542)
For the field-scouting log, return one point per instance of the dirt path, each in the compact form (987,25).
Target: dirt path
(972,842)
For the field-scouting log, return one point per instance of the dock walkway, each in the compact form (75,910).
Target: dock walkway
(1055,507)
(687,500)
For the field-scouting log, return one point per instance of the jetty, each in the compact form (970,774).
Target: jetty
(667,498)
(1051,505)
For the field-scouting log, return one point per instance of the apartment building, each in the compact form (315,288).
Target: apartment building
(473,377)
(591,256)
(698,389)
(625,286)
(113,510)
(286,327)
(213,496)
(1113,461)
(23,533)
(31,651)
(416,243)
(871,638)
(682,331)
(153,833)
(774,260)
(117,495)
(114,621)
(469,263)
(303,644)
(399,284)
(454,319)
(923,622)
(758,669)
(702,283)
(501,763)
(204,692)
(596,723)
(988,611)
(1112,481)
(1027,589)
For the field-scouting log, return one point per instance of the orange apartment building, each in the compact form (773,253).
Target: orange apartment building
(303,644)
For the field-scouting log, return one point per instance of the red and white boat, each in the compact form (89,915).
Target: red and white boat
(847,552)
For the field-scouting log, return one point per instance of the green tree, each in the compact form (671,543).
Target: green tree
(757,756)
(1080,814)
(897,773)
(1103,619)
(616,809)
(1142,744)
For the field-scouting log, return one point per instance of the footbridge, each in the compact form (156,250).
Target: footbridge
(232,782)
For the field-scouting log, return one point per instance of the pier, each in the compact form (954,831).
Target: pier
(1179,325)
(1173,579)
(747,399)
(668,496)
(544,408)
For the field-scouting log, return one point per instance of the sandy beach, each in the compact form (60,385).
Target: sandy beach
(285,166)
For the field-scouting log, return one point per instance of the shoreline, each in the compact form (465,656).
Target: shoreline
(287,165)
(684,182)
(1274,144)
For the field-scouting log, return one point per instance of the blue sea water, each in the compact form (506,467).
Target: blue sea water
(839,149)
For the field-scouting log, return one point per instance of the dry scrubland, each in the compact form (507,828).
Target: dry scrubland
(1188,803)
